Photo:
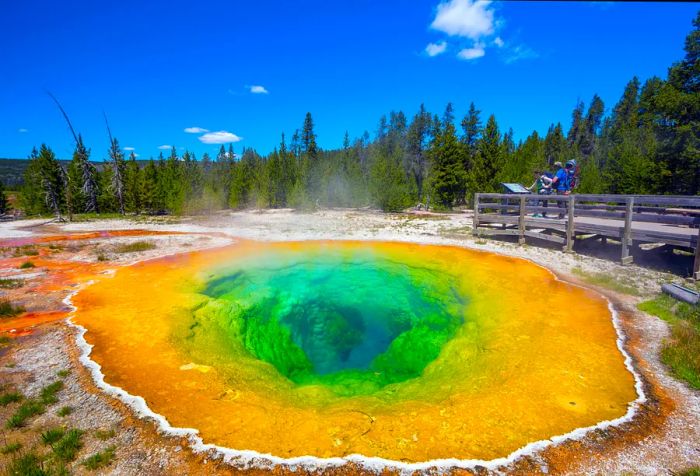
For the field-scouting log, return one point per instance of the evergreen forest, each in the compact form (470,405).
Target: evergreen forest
(646,143)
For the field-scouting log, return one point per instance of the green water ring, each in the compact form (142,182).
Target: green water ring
(353,323)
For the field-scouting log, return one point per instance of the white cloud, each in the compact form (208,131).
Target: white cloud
(472,53)
(498,42)
(22,130)
(219,137)
(128,148)
(434,49)
(195,130)
(257,89)
(520,52)
(466,18)
(165,147)
(137,155)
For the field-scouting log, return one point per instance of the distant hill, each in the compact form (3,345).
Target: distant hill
(12,170)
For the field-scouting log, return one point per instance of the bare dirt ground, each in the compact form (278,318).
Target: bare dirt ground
(664,438)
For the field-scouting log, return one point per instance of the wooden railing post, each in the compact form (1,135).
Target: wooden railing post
(475,225)
(569,247)
(696,264)
(521,221)
(627,233)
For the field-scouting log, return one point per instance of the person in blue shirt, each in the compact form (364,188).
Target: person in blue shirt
(562,184)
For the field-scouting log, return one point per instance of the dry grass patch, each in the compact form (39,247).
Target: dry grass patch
(617,283)
(135,247)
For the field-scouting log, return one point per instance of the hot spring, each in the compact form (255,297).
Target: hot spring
(399,351)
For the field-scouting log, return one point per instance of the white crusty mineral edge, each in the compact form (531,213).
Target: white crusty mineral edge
(255,459)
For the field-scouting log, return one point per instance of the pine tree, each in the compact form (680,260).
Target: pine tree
(4,204)
(555,147)
(590,129)
(52,180)
(242,181)
(32,196)
(132,185)
(89,187)
(173,184)
(630,166)
(387,181)
(678,128)
(149,188)
(288,172)
(448,176)
(577,126)
(488,159)
(471,125)
(106,200)
(418,141)
(308,138)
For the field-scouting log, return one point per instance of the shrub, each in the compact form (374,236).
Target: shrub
(11,283)
(10,397)
(28,464)
(52,435)
(135,247)
(27,410)
(7,309)
(10,448)
(104,435)
(67,447)
(48,393)
(100,459)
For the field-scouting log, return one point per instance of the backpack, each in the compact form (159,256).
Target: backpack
(573,176)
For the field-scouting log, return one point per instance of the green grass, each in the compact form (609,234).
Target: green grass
(28,409)
(63,373)
(85,217)
(662,306)
(11,283)
(10,397)
(52,435)
(134,247)
(64,411)
(26,251)
(33,407)
(100,459)
(681,353)
(66,449)
(7,309)
(689,472)
(48,393)
(28,464)
(10,448)
(104,435)
(27,265)
(616,283)
(5,340)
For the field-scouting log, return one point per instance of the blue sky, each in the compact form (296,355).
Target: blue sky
(250,71)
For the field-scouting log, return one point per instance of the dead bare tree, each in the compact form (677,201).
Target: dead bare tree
(88,171)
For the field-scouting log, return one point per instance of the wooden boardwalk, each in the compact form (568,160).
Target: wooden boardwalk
(629,219)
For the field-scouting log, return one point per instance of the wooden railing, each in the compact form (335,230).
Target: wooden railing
(671,220)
